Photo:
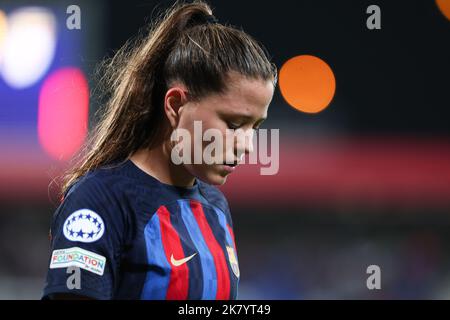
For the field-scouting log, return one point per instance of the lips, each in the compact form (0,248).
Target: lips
(228,168)
(233,164)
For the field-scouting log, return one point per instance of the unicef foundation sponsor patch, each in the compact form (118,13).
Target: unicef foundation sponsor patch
(84,225)
(77,257)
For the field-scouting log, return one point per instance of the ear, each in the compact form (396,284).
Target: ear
(174,102)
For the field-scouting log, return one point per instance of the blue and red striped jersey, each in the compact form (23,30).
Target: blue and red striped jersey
(121,234)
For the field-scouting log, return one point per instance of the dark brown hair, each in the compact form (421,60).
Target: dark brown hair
(183,45)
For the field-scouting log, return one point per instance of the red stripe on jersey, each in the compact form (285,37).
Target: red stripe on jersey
(223,277)
(179,275)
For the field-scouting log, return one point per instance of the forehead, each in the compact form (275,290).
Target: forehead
(244,96)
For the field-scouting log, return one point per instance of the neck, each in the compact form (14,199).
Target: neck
(157,163)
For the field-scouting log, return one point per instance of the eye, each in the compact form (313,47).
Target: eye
(233,126)
(258,126)
(256,129)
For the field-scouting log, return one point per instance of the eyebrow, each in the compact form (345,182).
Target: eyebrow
(247,117)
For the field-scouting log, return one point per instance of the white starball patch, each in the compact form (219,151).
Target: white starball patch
(84,226)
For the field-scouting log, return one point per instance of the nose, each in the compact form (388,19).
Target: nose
(244,143)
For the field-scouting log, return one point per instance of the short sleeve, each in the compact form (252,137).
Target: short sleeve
(86,241)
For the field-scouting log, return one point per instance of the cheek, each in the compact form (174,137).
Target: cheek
(196,124)
(187,124)
(218,128)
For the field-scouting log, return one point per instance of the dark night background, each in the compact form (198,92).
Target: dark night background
(366,181)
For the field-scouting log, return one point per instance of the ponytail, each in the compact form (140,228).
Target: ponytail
(185,44)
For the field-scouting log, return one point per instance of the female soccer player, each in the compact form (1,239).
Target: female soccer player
(133,224)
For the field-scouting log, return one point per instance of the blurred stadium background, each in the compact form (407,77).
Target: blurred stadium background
(364,181)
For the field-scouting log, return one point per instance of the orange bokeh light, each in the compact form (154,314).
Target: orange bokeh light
(444,7)
(307,83)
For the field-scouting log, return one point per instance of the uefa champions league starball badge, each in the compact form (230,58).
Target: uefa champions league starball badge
(84,226)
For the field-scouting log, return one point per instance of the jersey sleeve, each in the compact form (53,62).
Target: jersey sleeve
(86,241)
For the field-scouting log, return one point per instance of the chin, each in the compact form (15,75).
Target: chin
(212,177)
(219,180)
